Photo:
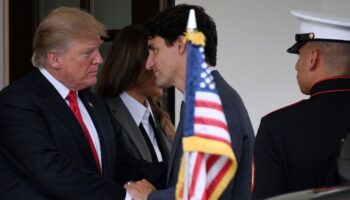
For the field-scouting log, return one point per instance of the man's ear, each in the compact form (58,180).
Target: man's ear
(313,59)
(181,42)
(53,59)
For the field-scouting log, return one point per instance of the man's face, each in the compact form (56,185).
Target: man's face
(165,61)
(79,64)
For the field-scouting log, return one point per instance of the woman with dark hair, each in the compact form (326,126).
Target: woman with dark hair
(133,96)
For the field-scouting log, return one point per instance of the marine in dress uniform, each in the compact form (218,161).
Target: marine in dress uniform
(297,147)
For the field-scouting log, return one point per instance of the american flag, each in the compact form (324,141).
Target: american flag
(211,163)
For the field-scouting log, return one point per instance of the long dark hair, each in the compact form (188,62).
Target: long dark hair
(126,59)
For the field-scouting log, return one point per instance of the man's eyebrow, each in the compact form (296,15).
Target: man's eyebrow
(90,48)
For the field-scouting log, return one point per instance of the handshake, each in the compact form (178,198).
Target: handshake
(139,190)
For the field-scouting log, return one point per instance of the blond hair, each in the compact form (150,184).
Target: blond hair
(60,27)
(163,116)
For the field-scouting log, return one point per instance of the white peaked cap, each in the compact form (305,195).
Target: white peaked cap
(320,27)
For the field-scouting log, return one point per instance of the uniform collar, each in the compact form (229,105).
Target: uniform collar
(336,84)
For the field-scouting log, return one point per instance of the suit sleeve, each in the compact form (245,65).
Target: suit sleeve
(240,187)
(168,194)
(269,176)
(26,143)
(129,167)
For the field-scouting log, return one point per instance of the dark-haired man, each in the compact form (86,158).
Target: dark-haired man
(168,46)
(297,146)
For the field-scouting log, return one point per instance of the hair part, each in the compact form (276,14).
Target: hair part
(61,26)
(125,62)
(171,23)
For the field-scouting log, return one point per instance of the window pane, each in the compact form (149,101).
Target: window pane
(114,14)
(45,6)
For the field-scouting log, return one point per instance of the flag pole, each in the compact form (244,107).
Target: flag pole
(191,27)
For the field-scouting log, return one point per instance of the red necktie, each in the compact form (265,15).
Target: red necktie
(73,104)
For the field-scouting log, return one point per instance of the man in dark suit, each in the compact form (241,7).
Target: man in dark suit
(56,137)
(168,48)
(297,146)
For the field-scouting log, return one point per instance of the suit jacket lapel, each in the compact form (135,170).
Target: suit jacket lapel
(176,147)
(124,118)
(54,101)
(59,107)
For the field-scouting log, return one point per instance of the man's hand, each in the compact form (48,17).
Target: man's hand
(139,190)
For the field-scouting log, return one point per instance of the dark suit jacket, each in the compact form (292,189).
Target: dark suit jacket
(242,137)
(43,150)
(297,146)
(134,161)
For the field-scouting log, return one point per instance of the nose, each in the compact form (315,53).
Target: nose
(150,61)
(98,58)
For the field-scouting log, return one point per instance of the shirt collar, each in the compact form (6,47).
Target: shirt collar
(212,69)
(136,109)
(62,90)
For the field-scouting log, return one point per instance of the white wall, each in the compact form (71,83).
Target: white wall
(253,38)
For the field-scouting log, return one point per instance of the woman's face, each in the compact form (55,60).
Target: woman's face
(150,88)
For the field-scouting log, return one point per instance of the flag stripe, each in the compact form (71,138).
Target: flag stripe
(208,96)
(211,131)
(211,161)
(214,170)
(210,114)
(196,171)
(208,104)
(218,178)
(211,122)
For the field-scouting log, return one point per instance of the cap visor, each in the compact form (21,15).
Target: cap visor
(295,48)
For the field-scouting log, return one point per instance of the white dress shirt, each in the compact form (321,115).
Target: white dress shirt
(140,114)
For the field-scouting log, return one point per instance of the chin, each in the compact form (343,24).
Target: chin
(158,94)
(163,84)
(91,83)
(305,91)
